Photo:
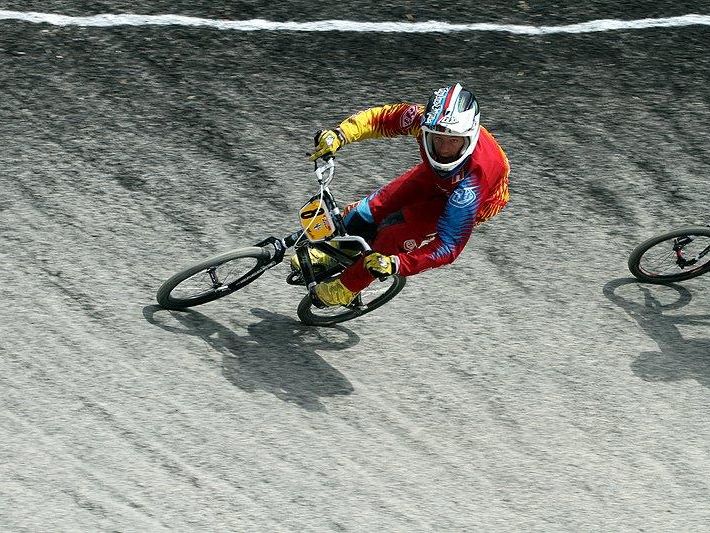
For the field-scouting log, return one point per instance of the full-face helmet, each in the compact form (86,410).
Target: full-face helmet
(451,110)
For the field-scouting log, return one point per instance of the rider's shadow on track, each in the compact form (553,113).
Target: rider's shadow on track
(679,358)
(277,355)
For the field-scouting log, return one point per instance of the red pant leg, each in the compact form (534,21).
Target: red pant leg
(400,232)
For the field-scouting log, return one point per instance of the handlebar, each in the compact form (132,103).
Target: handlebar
(327,166)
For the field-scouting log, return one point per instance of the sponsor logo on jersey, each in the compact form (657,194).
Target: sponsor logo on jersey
(410,244)
(428,238)
(464,197)
(407,118)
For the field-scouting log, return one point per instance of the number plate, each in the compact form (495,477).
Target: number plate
(316,220)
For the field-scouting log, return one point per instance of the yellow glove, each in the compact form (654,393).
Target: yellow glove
(380,265)
(327,143)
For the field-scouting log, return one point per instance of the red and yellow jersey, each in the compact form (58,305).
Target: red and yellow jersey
(473,195)
(488,161)
(385,121)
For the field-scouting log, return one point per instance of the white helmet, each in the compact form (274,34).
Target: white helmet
(454,111)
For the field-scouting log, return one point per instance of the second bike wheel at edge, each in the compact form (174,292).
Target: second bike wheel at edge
(310,315)
(213,278)
(643,273)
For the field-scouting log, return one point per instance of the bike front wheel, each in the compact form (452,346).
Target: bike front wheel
(677,255)
(214,278)
(375,295)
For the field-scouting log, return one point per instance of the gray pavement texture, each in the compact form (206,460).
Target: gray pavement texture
(530,386)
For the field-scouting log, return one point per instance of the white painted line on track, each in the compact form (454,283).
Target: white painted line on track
(108,20)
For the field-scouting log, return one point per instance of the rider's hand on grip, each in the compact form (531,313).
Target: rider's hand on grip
(380,265)
(327,142)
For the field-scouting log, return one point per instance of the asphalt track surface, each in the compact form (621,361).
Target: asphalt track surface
(530,386)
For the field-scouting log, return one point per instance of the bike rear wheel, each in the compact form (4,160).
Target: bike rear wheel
(213,278)
(372,297)
(677,255)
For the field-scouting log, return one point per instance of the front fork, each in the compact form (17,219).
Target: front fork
(304,261)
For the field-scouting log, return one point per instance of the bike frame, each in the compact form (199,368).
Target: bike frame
(322,226)
(298,239)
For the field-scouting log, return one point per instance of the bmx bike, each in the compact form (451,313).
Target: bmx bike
(322,228)
(676,255)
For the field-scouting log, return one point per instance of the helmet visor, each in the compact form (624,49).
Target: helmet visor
(446,148)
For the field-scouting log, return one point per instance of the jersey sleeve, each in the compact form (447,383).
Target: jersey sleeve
(453,231)
(389,120)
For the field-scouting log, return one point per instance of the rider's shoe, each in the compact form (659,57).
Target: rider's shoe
(320,260)
(332,293)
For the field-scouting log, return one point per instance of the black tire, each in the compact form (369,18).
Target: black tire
(313,316)
(211,282)
(655,261)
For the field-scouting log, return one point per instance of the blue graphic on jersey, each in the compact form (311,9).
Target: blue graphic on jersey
(463,197)
(456,223)
(362,209)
